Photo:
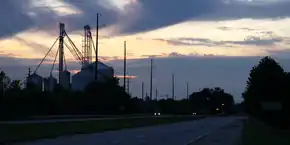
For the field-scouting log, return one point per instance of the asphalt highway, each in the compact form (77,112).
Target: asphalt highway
(88,119)
(172,134)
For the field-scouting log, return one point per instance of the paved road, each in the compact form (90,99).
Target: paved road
(86,119)
(173,134)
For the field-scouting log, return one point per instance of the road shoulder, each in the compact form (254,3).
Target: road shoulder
(256,132)
(227,135)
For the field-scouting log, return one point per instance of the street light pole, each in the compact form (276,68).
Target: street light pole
(97,48)
(173,95)
(142,85)
(187,91)
(2,76)
(151,73)
(125,64)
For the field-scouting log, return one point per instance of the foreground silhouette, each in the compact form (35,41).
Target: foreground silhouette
(103,98)
(268,84)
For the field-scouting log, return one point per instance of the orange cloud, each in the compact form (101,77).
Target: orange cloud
(130,77)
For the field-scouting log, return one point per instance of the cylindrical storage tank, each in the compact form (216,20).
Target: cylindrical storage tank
(106,73)
(35,81)
(50,84)
(81,79)
(65,79)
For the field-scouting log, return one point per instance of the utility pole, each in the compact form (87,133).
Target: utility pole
(156,94)
(187,91)
(28,75)
(142,90)
(29,71)
(61,53)
(97,48)
(151,73)
(173,97)
(128,85)
(2,76)
(125,65)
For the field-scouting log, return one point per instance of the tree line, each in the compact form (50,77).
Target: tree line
(102,98)
(267,94)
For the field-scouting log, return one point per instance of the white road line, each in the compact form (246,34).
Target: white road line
(197,139)
(115,142)
(204,135)
(140,136)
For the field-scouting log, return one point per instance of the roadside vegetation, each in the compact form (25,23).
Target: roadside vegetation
(267,102)
(98,100)
(258,133)
(31,131)
(107,98)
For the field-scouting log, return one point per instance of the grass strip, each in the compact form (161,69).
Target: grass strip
(26,132)
(257,133)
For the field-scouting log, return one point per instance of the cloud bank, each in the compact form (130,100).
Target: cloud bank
(143,15)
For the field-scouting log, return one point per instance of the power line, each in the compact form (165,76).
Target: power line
(53,63)
(46,55)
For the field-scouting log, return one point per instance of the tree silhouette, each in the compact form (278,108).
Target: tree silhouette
(100,98)
(213,100)
(267,82)
(107,96)
(5,80)
(15,85)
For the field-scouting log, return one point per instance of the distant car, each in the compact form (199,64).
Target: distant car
(157,114)
(193,113)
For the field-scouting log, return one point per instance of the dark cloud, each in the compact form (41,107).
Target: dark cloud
(12,17)
(16,15)
(162,13)
(225,28)
(250,40)
(192,54)
(89,10)
(256,30)
(255,40)
(19,15)
(284,53)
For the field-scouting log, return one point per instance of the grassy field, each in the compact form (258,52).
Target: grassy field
(257,133)
(25,132)
(73,117)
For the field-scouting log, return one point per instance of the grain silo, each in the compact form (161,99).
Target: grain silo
(34,81)
(50,84)
(65,76)
(81,79)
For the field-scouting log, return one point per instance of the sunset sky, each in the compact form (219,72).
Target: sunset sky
(204,42)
